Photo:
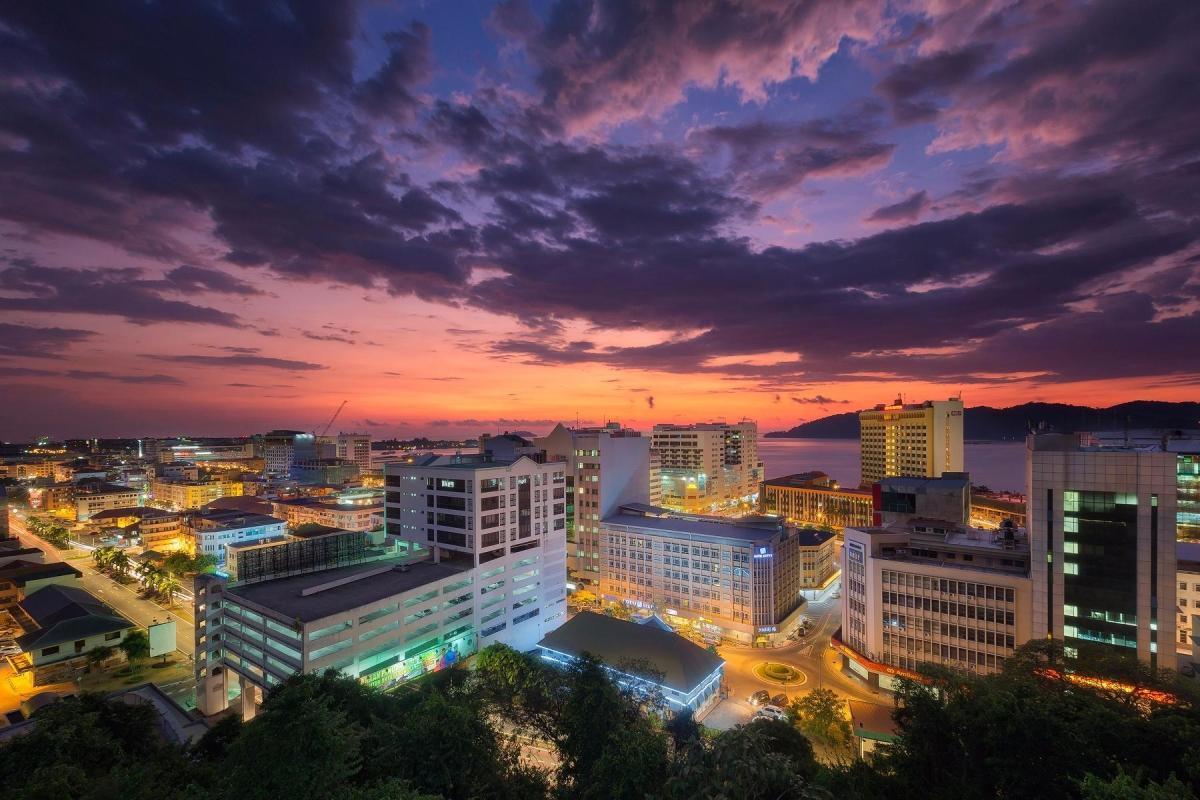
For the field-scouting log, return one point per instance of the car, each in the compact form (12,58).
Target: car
(760,698)
(771,712)
(780,700)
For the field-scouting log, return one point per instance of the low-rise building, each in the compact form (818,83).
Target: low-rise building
(741,579)
(362,513)
(932,591)
(991,509)
(63,625)
(213,531)
(332,471)
(687,676)
(813,498)
(873,726)
(20,578)
(181,494)
(92,497)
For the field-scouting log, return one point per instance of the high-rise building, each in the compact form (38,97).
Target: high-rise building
(708,467)
(507,518)
(914,439)
(281,448)
(1102,526)
(1187,576)
(932,591)
(606,467)
(726,578)
(356,448)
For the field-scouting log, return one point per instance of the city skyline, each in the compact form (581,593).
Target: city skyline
(545,212)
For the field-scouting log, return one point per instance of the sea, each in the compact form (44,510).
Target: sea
(997,465)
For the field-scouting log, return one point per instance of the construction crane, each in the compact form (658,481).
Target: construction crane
(333,419)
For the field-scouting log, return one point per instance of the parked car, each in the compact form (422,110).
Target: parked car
(760,698)
(771,712)
(780,700)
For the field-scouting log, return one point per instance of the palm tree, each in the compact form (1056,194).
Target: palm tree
(167,588)
(120,563)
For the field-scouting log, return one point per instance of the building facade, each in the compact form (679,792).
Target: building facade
(507,518)
(213,532)
(932,591)
(103,497)
(355,448)
(363,514)
(1187,577)
(914,439)
(708,467)
(739,579)
(1102,526)
(813,498)
(185,495)
(606,467)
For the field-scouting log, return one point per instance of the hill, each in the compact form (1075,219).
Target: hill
(987,423)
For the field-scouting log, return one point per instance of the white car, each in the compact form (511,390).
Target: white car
(771,712)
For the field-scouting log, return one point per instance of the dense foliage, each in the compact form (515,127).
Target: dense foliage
(516,728)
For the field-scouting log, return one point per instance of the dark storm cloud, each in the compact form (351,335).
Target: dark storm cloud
(912,86)
(37,342)
(267,362)
(907,210)
(112,292)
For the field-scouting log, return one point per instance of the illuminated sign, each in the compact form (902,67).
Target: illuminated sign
(446,483)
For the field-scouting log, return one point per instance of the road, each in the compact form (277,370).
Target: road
(124,599)
(818,664)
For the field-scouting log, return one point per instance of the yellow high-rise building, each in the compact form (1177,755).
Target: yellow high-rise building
(919,440)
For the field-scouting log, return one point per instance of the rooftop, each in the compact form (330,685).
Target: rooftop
(684,665)
(301,596)
(21,572)
(456,461)
(132,511)
(231,520)
(66,614)
(647,517)
(873,721)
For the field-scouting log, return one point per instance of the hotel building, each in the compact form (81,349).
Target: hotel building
(708,467)
(1102,523)
(915,439)
(740,579)
(932,591)
(813,498)
(349,512)
(605,468)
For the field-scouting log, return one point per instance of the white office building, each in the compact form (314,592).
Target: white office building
(932,591)
(506,519)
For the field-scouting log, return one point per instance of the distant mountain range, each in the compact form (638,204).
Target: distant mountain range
(998,424)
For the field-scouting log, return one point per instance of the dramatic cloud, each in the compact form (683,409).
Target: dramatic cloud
(691,188)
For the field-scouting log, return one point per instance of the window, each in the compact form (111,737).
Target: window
(49,651)
(109,637)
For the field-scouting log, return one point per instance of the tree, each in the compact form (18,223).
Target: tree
(301,746)
(819,715)
(135,646)
(745,762)
(120,563)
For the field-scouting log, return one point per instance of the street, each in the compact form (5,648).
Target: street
(122,598)
(818,664)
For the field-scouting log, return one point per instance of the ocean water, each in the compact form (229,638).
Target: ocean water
(997,465)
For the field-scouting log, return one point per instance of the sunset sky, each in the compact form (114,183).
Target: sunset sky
(467,216)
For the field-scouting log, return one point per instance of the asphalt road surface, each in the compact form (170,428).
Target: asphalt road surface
(122,598)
